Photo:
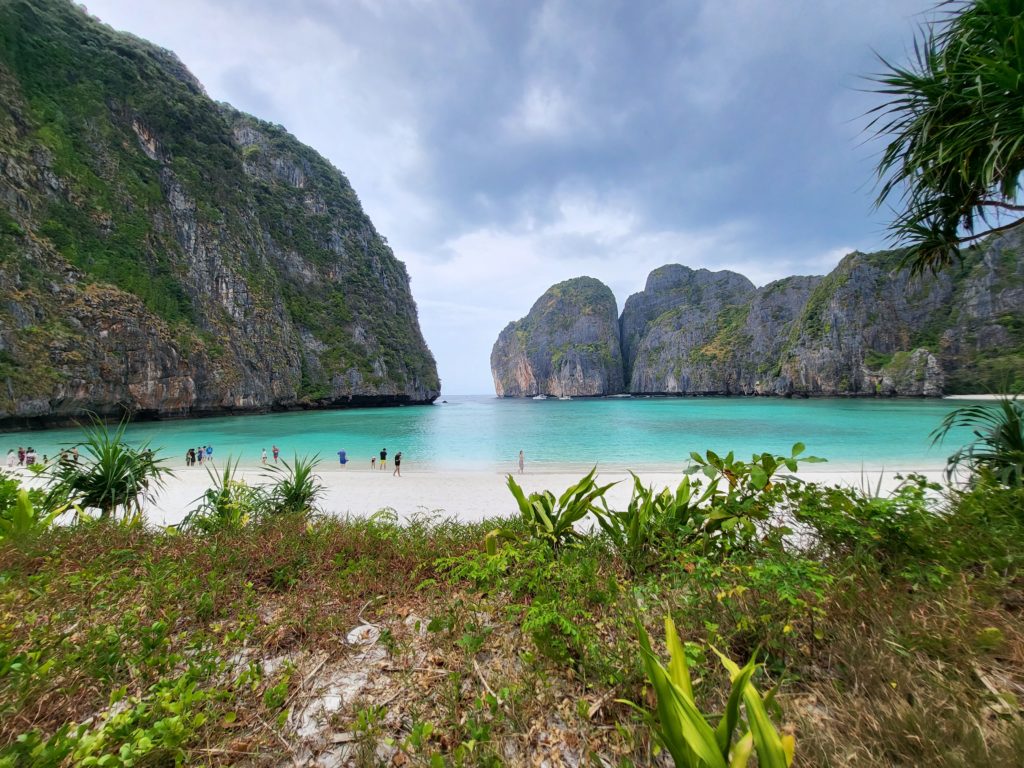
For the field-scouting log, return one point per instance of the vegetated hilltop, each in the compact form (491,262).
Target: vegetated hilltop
(866,328)
(567,346)
(170,255)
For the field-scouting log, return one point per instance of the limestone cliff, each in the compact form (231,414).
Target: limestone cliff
(567,346)
(869,327)
(727,345)
(167,255)
(677,311)
(866,328)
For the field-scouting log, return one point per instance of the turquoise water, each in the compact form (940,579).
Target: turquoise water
(487,433)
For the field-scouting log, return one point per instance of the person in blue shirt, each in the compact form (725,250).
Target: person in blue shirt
(342,458)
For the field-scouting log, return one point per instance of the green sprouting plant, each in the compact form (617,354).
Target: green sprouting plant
(112,474)
(550,519)
(26,519)
(998,445)
(638,532)
(739,495)
(296,489)
(229,504)
(687,734)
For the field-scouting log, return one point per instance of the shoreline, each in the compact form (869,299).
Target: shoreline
(475,494)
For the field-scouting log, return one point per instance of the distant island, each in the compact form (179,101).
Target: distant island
(867,328)
(166,255)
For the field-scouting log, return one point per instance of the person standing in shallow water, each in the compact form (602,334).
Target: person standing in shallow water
(398,465)
(276,451)
(383,458)
(522,461)
(263,457)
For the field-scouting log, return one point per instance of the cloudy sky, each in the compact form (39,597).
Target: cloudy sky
(503,146)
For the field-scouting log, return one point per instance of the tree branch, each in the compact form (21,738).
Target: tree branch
(998,204)
(987,232)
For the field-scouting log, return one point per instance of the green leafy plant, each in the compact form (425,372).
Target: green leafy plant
(847,522)
(552,520)
(739,496)
(296,489)
(111,475)
(25,519)
(998,445)
(638,532)
(229,504)
(687,734)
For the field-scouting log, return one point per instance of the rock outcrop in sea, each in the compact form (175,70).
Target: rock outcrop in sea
(168,255)
(567,346)
(867,328)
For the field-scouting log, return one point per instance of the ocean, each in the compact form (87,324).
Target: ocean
(487,433)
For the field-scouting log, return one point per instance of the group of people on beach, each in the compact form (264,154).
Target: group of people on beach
(198,455)
(25,457)
(274,450)
(384,461)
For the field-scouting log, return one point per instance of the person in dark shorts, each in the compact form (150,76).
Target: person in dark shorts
(398,464)
(383,458)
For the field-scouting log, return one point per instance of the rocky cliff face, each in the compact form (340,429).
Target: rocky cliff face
(677,311)
(567,346)
(870,328)
(726,346)
(167,255)
(867,328)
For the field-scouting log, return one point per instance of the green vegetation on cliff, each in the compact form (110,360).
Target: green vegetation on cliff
(263,282)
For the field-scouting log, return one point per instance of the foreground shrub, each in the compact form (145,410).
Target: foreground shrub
(111,474)
(998,445)
(228,504)
(295,487)
(686,733)
(551,520)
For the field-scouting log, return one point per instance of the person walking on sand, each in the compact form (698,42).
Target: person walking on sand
(522,461)
(276,451)
(383,458)
(398,465)
(263,457)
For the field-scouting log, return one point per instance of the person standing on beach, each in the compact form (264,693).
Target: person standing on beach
(373,462)
(383,458)
(398,465)
(263,457)
(275,450)
(522,461)
(12,458)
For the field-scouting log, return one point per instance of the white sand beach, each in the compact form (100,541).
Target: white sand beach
(474,495)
